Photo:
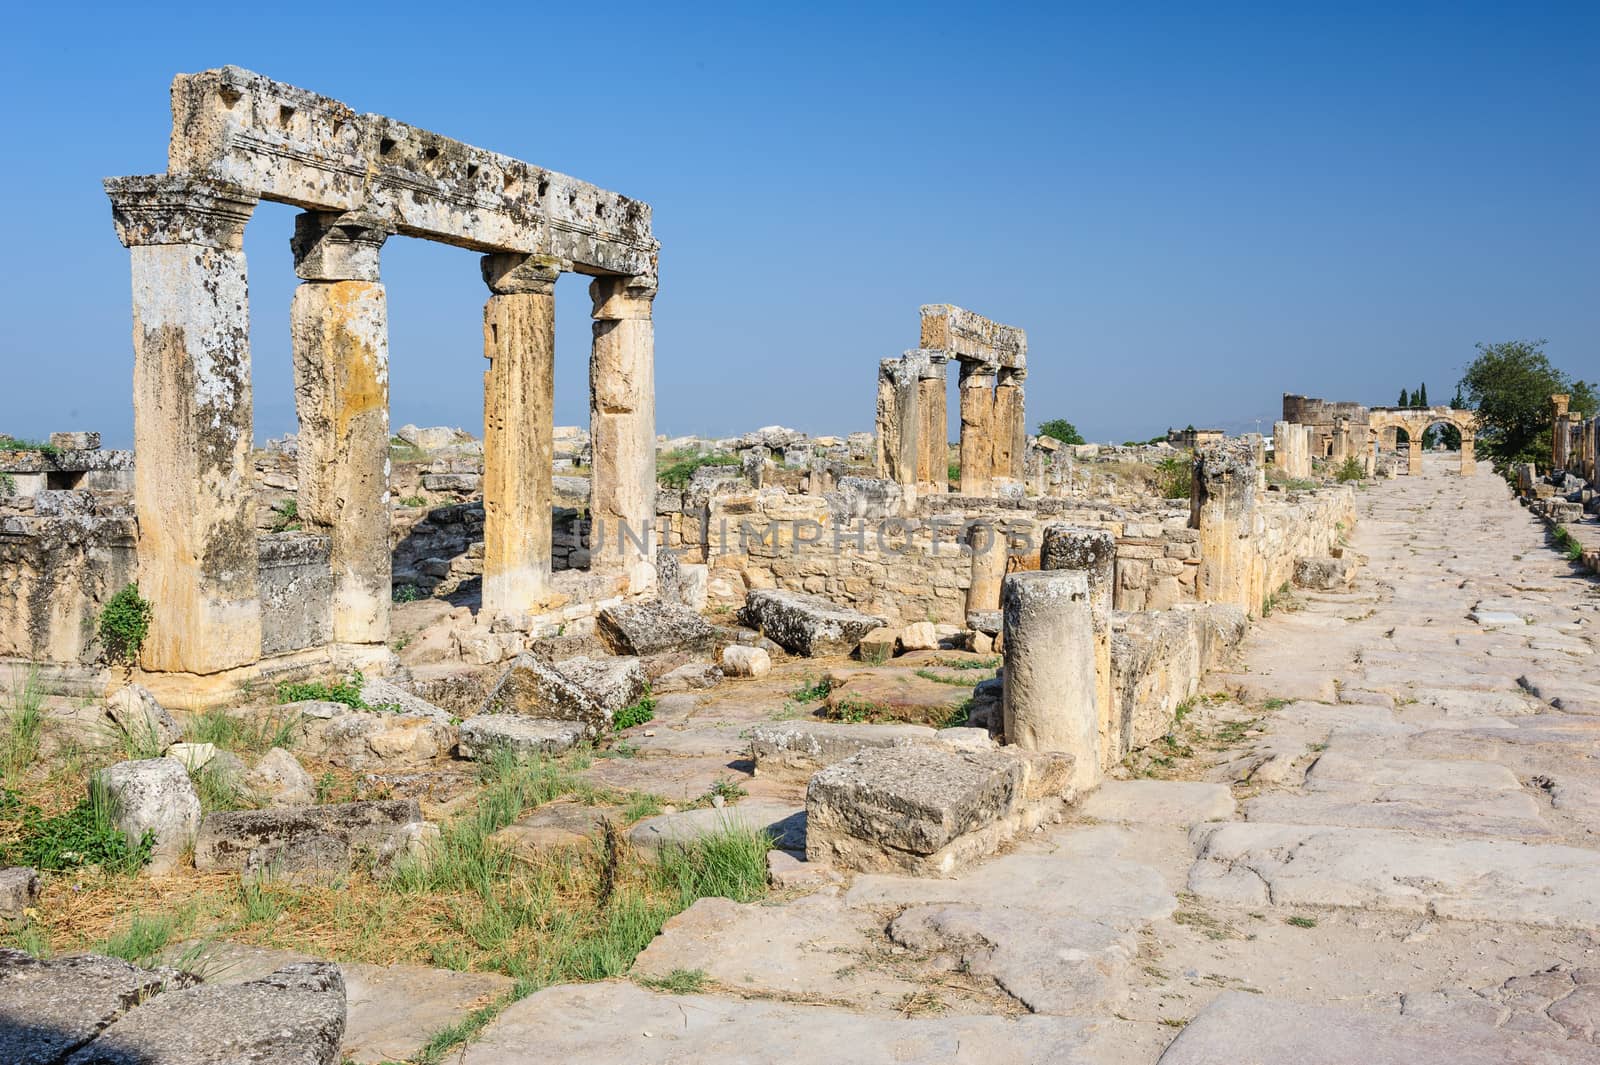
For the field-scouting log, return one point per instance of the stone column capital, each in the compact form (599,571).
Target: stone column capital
(1013,375)
(175,209)
(619,298)
(337,246)
(511,273)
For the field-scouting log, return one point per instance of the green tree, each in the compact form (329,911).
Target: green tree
(1062,430)
(1420,397)
(1405,399)
(1509,385)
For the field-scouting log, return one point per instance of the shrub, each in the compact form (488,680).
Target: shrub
(1173,477)
(1352,470)
(1062,430)
(84,836)
(346,691)
(124,624)
(637,713)
(406,593)
(287,516)
(677,474)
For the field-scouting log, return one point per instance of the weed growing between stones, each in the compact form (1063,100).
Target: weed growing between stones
(250,734)
(675,469)
(406,593)
(83,837)
(677,982)
(1173,477)
(1567,544)
(636,713)
(1352,470)
(813,690)
(24,723)
(124,624)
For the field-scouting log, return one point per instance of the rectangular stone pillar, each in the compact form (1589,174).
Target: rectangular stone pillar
(977,429)
(1414,455)
(194,490)
(1560,437)
(933,467)
(622,427)
(1010,427)
(518,431)
(899,440)
(1469,461)
(1223,511)
(1093,552)
(339,328)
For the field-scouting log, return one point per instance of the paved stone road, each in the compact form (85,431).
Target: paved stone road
(1388,856)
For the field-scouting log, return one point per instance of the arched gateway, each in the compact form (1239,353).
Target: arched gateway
(1415,421)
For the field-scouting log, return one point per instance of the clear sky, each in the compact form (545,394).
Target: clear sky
(1191,211)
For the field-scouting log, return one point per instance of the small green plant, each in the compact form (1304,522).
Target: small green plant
(85,836)
(124,624)
(413,501)
(146,936)
(677,982)
(405,451)
(856,711)
(1301,922)
(406,593)
(8,486)
(636,713)
(1567,544)
(1173,477)
(287,516)
(24,723)
(953,472)
(49,451)
(640,805)
(256,733)
(1275,703)
(679,470)
(811,691)
(347,691)
(727,789)
(1352,470)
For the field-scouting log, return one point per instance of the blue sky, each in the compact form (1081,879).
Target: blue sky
(1189,213)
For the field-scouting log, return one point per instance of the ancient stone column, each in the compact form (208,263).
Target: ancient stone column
(1414,455)
(1049,702)
(1560,436)
(899,448)
(977,430)
(1223,510)
(622,426)
(339,331)
(991,551)
(194,490)
(933,467)
(1469,461)
(1010,426)
(1092,552)
(519,340)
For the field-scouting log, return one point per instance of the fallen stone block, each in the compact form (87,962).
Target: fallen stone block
(806,746)
(784,824)
(367,739)
(156,796)
(49,1008)
(804,624)
(319,858)
(919,636)
(693,676)
(227,839)
(19,889)
(652,628)
(929,809)
(138,715)
(740,661)
(613,683)
(1324,574)
(534,688)
(280,780)
(295,1016)
(525,737)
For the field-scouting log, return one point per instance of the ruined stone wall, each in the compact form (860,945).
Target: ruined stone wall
(62,555)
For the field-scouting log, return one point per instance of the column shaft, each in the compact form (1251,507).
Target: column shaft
(622,426)
(1010,428)
(1093,552)
(933,466)
(1049,700)
(194,490)
(518,449)
(978,412)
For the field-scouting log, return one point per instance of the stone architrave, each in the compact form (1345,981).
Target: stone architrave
(1049,701)
(1092,552)
(518,431)
(194,490)
(622,427)
(339,330)
(979,438)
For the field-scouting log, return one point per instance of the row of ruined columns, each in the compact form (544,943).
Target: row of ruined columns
(1574,443)
(193,422)
(913,436)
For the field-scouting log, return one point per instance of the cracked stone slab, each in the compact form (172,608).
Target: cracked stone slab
(614,1022)
(1422,809)
(785,823)
(814,947)
(1560,1002)
(1258,864)
(1164,802)
(1054,965)
(1239,1028)
(48,1008)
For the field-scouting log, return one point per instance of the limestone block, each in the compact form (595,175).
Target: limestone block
(19,889)
(806,624)
(138,715)
(227,840)
(156,796)
(806,746)
(613,683)
(50,1008)
(481,736)
(919,636)
(281,780)
(535,689)
(928,809)
(739,661)
(649,628)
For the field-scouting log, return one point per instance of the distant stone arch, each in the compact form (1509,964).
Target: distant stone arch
(1414,421)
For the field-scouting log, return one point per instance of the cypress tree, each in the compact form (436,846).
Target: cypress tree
(1405,399)
(1422,395)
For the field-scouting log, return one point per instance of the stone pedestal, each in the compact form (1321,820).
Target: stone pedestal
(518,434)
(339,329)
(978,422)
(1092,552)
(1049,702)
(194,489)
(622,426)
